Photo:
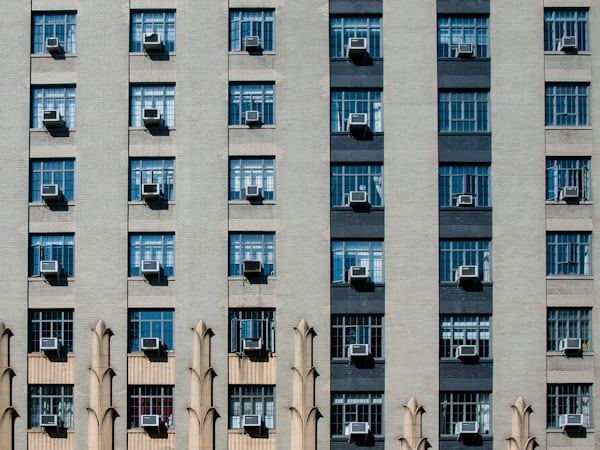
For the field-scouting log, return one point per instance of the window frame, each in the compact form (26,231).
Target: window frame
(238,17)
(454,115)
(142,96)
(152,24)
(151,170)
(164,251)
(578,253)
(479,255)
(263,323)
(567,104)
(345,178)
(344,102)
(562,398)
(47,323)
(59,97)
(251,96)
(47,29)
(555,28)
(348,329)
(475,330)
(563,323)
(468,406)
(63,252)
(55,399)
(160,399)
(257,246)
(150,323)
(343,27)
(51,171)
(455,27)
(261,396)
(454,180)
(561,172)
(371,405)
(251,171)
(348,253)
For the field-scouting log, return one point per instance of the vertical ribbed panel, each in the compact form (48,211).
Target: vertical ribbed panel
(242,370)
(140,440)
(40,440)
(141,370)
(44,371)
(240,440)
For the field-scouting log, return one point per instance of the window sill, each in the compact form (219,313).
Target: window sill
(143,431)
(561,53)
(453,360)
(569,277)
(453,283)
(248,202)
(266,126)
(261,53)
(584,353)
(453,58)
(142,128)
(344,361)
(562,202)
(43,204)
(452,437)
(465,208)
(144,202)
(45,280)
(150,55)
(346,133)
(560,431)
(350,208)
(46,130)
(348,285)
(342,58)
(49,56)
(242,278)
(143,278)
(464,133)
(568,127)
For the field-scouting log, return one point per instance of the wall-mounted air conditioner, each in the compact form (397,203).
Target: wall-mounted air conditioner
(358,198)
(464,50)
(467,273)
(566,421)
(49,344)
(251,421)
(50,192)
(252,345)
(466,351)
(150,267)
(358,274)
(467,428)
(357,46)
(357,430)
(50,420)
(51,118)
(253,192)
(150,191)
(150,344)
(569,345)
(569,193)
(358,351)
(152,42)
(151,117)
(150,421)
(252,43)
(567,43)
(49,268)
(252,267)
(357,122)
(53,45)
(465,200)
(252,117)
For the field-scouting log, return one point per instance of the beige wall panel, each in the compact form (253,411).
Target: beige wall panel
(561,67)
(239,440)
(570,300)
(242,370)
(557,440)
(254,294)
(139,287)
(45,70)
(140,440)
(567,3)
(574,286)
(143,217)
(142,370)
(145,69)
(559,365)
(569,224)
(40,440)
(43,371)
(568,142)
(239,210)
(42,144)
(41,214)
(60,5)
(562,211)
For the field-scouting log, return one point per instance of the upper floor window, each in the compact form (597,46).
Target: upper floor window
(463,112)
(245,23)
(60,172)
(344,103)
(460,185)
(251,247)
(151,171)
(256,325)
(346,254)
(251,399)
(59,98)
(152,246)
(251,97)
(356,177)
(54,25)
(567,104)
(51,399)
(342,28)
(160,97)
(560,23)
(150,400)
(456,253)
(150,323)
(51,323)
(148,22)
(568,254)
(568,173)
(569,323)
(464,330)
(458,407)
(356,329)
(52,247)
(569,399)
(349,407)
(258,174)
(454,30)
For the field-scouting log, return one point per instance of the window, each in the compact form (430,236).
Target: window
(346,254)
(52,247)
(458,407)
(360,329)
(463,112)
(464,330)
(52,171)
(46,323)
(153,400)
(565,22)
(162,22)
(143,171)
(356,407)
(566,323)
(251,247)
(569,399)
(457,180)
(567,104)
(250,399)
(251,97)
(54,25)
(348,178)
(454,30)
(250,22)
(568,254)
(150,323)
(456,253)
(161,97)
(61,98)
(56,399)
(251,324)
(344,103)
(152,246)
(562,172)
(258,172)
(342,28)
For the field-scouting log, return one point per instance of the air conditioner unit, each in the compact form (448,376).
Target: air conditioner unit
(252,43)
(49,268)
(467,273)
(49,420)
(466,351)
(53,45)
(357,122)
(570,420)
(463,428)
(354,429)
(464,50)
(569,193)
(149,344)
(50,192)
(253,192)
(357,46)
(465,200)
(150,267)
(252,345)
(150,191)
(567,43)
(151,117)
(251,421)
(51,118)
(358,351)
(150,421)
(252,267)
(252,117)
(358,198)
(358,274)
(569,345)
(49,344)
(152,42)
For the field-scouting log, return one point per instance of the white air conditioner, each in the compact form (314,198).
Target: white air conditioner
(50,192)
(252,345)
(150,421)
(467,273)
(252,117)
(357,122)
(49,344)
(252,43)
(358,274)
(150,267)
(463,428)
(253,192)
(567,43)
(466,351)
(357,46)
(464,50)
(465,200)
(49,268)
(50,420)
(358,198)
(150,191)
(251,421)
(149,344)
(569,345)
(51,118)
(151,117)
(152,42)
(53,45)
(252,267)
(358,351)
(569,193)
(354,429)
(570,421)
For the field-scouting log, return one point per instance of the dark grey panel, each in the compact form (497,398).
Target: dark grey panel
(347,377)
(355,7)
(347,300)
(458,376)
(463,6)
(463,73)
(472,148)
(347,223)
(475,223)
(345,74)
(450,443)
(456,300)
(345,148)
(343,444)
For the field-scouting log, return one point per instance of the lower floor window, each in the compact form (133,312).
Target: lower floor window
(150,400)
(51,323)
(569,323)
(464,330)
(569,399)
(51,400)
(251,400)
(356,407)
(456,407)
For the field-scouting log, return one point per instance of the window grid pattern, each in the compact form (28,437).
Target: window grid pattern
(458,407)
(52,171)
(344,103)
(563,172)
(567,104)
(454,30)
(457,180)
(251,97)
(150,323)
(346,254)
(51,399)
(360,329)
(52,247)
(251,324)
(161,97)
(248,22)
(463,112)
(569,399)
(49,323)
(456,253)
(568,254)
(162,22)
(61,98)
(251,172)
(160,171)
(61,25)
(251,247)
(565,22)
(159,247)
(250,399)
(566,323)
(342,28)
(348,178)
(155,400)
(464,330)
(356,407)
